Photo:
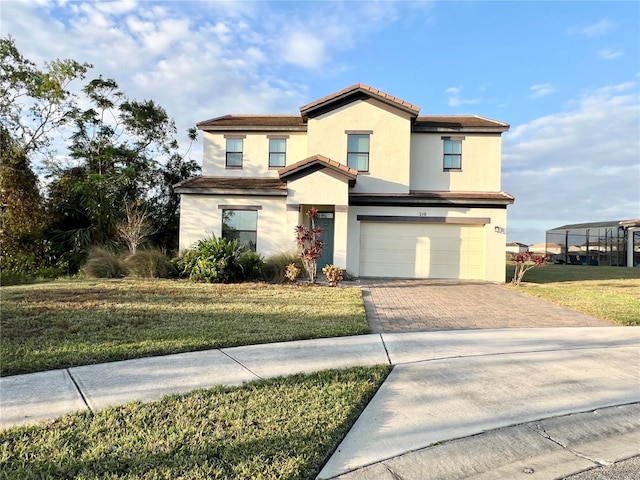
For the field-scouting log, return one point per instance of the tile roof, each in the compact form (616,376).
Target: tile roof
(432,196)
(231,183)
(318,160)
(253,120)
(456,121)
(358,88)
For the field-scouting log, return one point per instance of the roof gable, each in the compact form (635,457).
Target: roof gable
(359,91)
(315,163)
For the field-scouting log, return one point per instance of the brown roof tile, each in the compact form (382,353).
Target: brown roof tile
(456,121)
(231,183)
(253,120)
(315,163)
(435,196)
(317,159)
(357,88)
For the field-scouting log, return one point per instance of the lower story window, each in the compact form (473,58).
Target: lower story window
(241,225)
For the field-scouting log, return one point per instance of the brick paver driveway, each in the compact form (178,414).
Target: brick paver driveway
(419,305)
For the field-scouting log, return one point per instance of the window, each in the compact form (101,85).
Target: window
(452,154)
(234,153)
(277,152)
(358,152)
(240,225)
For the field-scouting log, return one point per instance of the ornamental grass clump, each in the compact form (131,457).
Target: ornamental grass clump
(310,245)
(102,263)
(151,263)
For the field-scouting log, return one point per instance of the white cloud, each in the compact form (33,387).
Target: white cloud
(304,49)
(608,54)
(578,165)
(594,30)
(541,90)
(456,100)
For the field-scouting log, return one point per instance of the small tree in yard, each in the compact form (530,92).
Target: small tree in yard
(524,262)
(135,227)
(310,245)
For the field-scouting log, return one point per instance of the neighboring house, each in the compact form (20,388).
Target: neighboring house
(605,243)
(546,249)
(515,248)
(399,194)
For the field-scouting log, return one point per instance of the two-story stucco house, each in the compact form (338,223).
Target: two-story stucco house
(399,194)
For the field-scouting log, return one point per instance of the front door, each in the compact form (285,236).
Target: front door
(325,221)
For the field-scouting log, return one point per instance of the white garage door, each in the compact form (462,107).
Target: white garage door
(418,250)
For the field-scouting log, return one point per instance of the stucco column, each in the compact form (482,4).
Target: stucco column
(340,236)
(292,221)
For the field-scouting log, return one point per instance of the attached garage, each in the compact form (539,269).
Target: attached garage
(422,247)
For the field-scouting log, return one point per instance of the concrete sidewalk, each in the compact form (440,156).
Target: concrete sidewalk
(447,386)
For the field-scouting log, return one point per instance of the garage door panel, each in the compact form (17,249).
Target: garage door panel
(412,250)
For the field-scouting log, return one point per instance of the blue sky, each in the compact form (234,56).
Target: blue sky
(564,75)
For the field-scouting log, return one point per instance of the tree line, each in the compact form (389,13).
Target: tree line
(112,187)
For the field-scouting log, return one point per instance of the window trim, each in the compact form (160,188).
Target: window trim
(278,137)
(241,152)
(363,133)
(241,208)
(445,155)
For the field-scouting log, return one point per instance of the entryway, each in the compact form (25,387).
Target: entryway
(325,220)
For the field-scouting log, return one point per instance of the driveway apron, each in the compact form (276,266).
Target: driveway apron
(425,305)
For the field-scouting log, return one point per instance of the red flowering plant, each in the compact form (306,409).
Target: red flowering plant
(310,245)
(524,262)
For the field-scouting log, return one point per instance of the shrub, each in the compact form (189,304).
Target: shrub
(252,265)
(292,272)
(152,263)
(524,262)
(102,263)
(276,265)
(333,273)
(213,260)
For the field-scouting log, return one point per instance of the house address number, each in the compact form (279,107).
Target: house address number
(422,214)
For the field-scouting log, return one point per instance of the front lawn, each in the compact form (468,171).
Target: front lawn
(77,322)
(270,429)
(610,293)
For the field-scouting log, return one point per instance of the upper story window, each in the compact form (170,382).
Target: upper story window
(234,153)
(277,152)
(358,151)
(452,153)
(241,225)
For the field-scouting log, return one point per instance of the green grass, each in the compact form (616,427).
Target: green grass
(609,293)
(570,273)
(272,429)
(69,323)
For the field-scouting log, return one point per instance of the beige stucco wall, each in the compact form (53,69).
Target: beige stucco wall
(495,242)
(389,143)
(255,158)
(322,187)
(200,217)
(481,162)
